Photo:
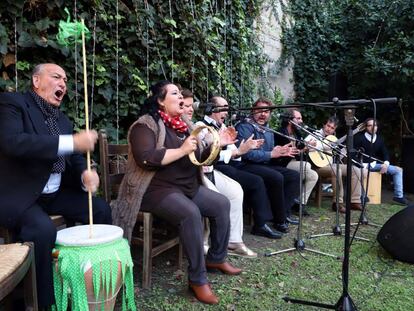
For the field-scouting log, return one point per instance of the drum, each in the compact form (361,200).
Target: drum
(91,271)
(374,189)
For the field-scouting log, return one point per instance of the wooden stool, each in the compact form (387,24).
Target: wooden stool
(374,189)
(17,264)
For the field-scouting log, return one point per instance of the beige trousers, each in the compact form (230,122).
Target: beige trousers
(355,181)
(232,190)
(310,177)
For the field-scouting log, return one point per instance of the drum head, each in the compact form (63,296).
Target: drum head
(79,235)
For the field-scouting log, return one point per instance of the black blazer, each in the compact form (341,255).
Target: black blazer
(27,154)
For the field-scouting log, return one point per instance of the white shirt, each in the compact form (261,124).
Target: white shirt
(65,147)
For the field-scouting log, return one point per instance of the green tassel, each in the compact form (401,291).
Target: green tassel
(70,276)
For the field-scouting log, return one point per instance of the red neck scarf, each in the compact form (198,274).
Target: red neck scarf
(175,123)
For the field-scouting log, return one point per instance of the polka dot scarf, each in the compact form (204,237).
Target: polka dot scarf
(174,123)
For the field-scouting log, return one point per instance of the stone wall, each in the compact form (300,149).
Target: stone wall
(270,32)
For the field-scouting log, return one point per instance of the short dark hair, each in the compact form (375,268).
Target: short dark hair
(370,119)
(262,100)
(158,92)
(288,115)
(333,119)
(186,93)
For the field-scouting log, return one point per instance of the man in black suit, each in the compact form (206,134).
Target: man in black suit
(43,172)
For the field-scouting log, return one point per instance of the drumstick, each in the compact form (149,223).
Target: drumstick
(88,154)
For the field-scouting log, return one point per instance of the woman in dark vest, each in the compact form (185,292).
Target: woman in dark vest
(162,180)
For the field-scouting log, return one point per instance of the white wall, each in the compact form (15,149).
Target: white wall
(269,34)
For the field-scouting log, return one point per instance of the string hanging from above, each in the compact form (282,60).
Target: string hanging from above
(16,79)
(139,31)
(93,67)
(117,72)
(193,51)
(172,44)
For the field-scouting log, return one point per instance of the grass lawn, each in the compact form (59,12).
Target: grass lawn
(377,282)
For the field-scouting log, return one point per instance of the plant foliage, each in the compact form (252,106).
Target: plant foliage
(369,44)
(208,46)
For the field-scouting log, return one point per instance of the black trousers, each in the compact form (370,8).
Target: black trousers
(282,186)
(35,225)
(186,214)
(254,188)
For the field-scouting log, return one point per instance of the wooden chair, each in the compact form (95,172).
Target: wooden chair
(17,266)
(319,194)
(113,164)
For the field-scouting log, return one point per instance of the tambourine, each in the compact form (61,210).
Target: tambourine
(215,146)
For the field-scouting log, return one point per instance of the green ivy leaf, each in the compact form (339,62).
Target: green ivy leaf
(170,21)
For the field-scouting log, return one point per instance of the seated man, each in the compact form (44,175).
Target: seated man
(329,169)
(43,172)
(252,185)
(282,184)
(230,188)
(288,128)
(378,150)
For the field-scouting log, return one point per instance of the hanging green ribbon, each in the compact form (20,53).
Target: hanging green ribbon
(104,259)
(71,32)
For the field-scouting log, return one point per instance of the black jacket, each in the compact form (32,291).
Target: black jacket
(27,153)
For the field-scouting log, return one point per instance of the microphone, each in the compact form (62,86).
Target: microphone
(307,127)
(283,115)
(198,106)
(209,107)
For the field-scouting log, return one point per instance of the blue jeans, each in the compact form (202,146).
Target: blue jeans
(397,177)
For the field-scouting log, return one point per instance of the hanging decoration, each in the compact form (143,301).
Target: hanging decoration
(71,32)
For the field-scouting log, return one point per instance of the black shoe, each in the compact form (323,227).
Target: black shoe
(283,227)
(267,232)
(292,221)
(295,210)
(401,201)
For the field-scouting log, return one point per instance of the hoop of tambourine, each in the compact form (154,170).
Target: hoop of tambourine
(214,148)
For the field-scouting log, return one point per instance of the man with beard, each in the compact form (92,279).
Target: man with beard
(282,184)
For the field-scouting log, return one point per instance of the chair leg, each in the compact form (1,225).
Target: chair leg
(180,255)
(30,289)
(318,194)
(147,251)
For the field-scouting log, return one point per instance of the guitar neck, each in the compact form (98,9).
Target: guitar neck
(343,138)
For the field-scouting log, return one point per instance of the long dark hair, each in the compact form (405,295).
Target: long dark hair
(158,92)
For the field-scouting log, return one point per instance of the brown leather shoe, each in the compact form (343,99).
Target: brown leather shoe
(203,293)
(224,267)
(356,206)
(341,207)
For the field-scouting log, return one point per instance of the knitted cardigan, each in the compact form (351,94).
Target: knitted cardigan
(135,182)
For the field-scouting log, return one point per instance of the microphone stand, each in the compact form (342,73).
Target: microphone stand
(299,243)
(363,220)
(336,153)
(345,302)
(336,228)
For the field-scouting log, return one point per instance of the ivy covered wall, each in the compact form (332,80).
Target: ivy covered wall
(213,47)
(367,46)
(208,46)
